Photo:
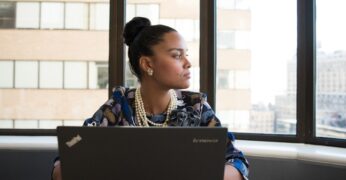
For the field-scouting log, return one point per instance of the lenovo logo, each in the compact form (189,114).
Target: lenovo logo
(198,140)
(74,141)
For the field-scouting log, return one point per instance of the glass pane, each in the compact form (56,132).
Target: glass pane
(51,74)
(99,16)
(52,15)
(7,14)
(98,75)
(330,69)
(151,11)
(27,15)
(184,18)
(256,65)
(6,74)
(76,16)
(75,74)
(26,74)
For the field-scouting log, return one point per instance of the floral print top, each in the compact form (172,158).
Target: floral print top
(192,110)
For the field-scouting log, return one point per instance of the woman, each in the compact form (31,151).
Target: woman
(158,57)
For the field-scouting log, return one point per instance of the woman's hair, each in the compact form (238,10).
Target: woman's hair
(140,36)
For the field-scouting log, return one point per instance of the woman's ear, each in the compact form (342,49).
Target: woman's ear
(145,63)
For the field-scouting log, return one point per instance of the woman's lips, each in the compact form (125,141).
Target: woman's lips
(187,75)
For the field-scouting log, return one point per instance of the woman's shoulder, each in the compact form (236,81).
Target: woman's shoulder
(122,91)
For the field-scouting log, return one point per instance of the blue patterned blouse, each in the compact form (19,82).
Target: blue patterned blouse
(192,110)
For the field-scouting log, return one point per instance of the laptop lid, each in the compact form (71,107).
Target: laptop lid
(171,153)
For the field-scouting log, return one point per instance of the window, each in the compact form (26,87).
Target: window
(99,16)
(7,14)
(52,15)
(51,62)
(249,45)
(27,15)
(98,75)
(75,75)
(225,79)
(186,28)
(330,67)
(151,11)
(234,4)
(51,74)
(26,74)
(226,40)
(76,16)
(234,40)
(6,74)
(242,80)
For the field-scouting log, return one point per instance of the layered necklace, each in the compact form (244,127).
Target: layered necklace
(142,119)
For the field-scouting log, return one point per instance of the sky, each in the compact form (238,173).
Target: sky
(274,38)
(273,34)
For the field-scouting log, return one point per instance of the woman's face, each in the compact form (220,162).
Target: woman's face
(170,63)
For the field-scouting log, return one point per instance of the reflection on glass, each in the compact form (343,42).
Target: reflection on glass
(330,70)
(256,87)
(184,18)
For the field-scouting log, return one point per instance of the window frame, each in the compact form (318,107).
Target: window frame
(306,64)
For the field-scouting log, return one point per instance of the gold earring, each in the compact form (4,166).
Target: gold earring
(150,72)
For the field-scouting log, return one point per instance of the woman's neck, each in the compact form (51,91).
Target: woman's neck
(155,99)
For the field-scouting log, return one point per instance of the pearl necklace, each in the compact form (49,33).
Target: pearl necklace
(142,119)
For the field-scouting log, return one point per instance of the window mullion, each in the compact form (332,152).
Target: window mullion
(208,50)
(305,70)
(116,45)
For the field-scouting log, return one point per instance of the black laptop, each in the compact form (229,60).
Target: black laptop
(132,153)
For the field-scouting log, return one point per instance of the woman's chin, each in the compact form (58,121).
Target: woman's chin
(185,86)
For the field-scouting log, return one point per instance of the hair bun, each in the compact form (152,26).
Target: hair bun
(133,28)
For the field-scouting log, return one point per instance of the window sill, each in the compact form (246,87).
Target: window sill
(306,152)
(298,151)
(29,142)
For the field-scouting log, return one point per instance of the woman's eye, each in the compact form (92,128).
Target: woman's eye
(178,56)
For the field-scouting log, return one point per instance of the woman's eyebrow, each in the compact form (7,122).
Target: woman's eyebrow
(177,49)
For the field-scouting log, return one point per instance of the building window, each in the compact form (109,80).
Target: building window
(26,74)
(27,15)
(233,4)
(225,40)
(225,79)
(75,75)
(99,16)
(6,74)
(7,15)
(151,11)
(76,16)
(51,74)
(233,40)
(52,15)
(242,80)
(98,75)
